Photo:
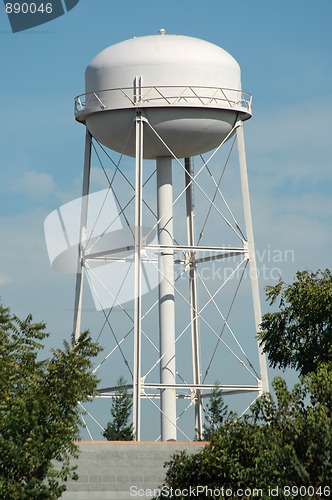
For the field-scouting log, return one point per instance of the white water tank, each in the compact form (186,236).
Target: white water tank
(189,91)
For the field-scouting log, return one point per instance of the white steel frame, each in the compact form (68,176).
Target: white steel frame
(167,388)
(143,96)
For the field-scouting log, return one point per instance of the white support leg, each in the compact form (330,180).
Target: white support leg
(195,342)
(83,223)
(138,280)
(251,253)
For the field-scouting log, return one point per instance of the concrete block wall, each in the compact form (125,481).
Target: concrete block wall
(122,470)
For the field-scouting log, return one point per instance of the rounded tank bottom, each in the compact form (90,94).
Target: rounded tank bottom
(179,132)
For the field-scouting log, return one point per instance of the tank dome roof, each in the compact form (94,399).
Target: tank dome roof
(166,60)
(188,89)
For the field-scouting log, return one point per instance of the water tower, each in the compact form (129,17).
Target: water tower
(168,98)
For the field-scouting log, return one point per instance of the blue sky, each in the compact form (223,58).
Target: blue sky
(284,50)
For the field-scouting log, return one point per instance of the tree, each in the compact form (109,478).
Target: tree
(299,428)
(39,413)
(299,334)
(118,429)
(216,413)
(283,443)
(221,463)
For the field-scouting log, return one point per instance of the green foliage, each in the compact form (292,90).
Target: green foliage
(39,415)
(299,431)
(118,429)
(299,334)
(228,461)
(283,443)
(216,414)
(280,443)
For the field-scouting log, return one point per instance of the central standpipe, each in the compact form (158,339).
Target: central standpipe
(166,298)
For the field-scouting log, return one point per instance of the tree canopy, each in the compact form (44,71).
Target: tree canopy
(39,413)
(283,446)
(299,334)
(279,445)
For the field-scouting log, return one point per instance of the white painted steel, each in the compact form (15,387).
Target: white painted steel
(251,253)
(185,96)
(166,298)
(188,89)
(83,223)
(138,280)
(186,131)
(162,60)
(194,316)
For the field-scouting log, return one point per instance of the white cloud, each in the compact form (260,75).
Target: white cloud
(4,279)
(292,142)
(290,175)
(35,185)
(41,187)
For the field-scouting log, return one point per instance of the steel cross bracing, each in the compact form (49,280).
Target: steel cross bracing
(188,257)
